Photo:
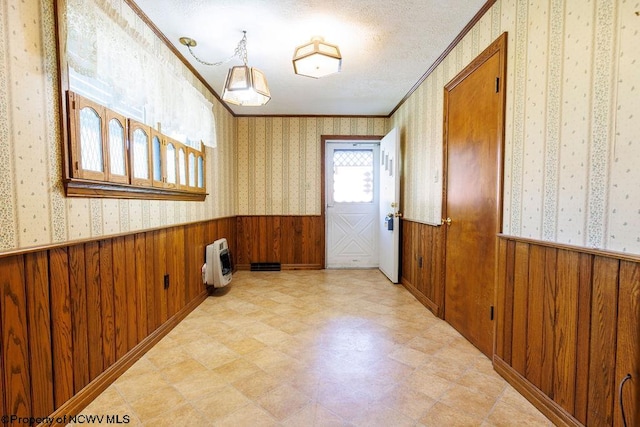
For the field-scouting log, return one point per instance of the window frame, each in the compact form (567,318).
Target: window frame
(81,182)
(133,127)
(122,120)
(77,104)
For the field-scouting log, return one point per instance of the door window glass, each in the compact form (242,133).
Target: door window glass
(353,176)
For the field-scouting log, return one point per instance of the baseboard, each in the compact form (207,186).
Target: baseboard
(88,394)
(558,415)
(433,307)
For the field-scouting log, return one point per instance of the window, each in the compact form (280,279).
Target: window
(170,173)
(201,172)
(128,158)
(98,141)
(117,142)
(353,176)
(192,169)
(182,167)
(140,153)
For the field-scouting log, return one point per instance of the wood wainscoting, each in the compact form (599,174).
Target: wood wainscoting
(422,271)
(568,330)
(74,316)
(296,242)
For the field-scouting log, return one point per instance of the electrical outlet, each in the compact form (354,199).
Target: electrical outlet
(166,281)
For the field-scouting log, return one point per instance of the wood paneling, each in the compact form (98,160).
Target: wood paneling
(577,313)
(61,326)
(628,350)
(520,308)
(78,291)
(39,321)
(15,347)
(71,313)
(295,242)
(422,263)
(603,341)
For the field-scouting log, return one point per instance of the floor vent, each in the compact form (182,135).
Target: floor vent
(265,266)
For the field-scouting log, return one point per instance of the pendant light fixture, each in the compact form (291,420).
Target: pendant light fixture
(317,58)
(244,85)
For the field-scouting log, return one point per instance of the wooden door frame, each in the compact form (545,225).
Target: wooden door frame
(498,46)
(323,206)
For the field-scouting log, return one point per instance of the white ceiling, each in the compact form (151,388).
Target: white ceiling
(386,46)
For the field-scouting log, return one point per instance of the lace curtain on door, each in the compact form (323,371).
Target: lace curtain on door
(117,60)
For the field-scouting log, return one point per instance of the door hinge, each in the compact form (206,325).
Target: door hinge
(492,312)
(497,84)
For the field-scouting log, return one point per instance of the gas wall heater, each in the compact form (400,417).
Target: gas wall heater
(216,270)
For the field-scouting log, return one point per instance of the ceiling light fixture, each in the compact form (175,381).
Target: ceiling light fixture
(244,85)
(317,58)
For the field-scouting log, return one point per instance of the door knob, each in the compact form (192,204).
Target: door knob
(446,221)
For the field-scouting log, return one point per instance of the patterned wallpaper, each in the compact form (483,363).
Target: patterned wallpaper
(33,209)
(571,152)
(278,163)
(572,148)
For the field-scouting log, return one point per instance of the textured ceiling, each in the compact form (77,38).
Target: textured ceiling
(386,46)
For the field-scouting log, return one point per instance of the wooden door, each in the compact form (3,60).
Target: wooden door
(474,128)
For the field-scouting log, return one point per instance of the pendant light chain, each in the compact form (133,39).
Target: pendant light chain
(240,52)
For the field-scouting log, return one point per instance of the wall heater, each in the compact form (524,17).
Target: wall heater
(216,270)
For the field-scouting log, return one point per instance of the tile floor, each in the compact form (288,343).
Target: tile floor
(314,348)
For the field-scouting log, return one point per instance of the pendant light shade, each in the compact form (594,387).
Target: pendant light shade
(246,86)
(317,59)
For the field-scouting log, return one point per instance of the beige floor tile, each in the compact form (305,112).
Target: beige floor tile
(430,384)
(156,402)
(490,385)
(442,415)
(133,388)
(193,388)
(245,345)
(269,356)
(448,368)
(257,384)
(282,402)
(409,356)
(506,415)
(250,416)
(188,368)
(381,416)
(182,415)
(471,402)
(142,367)
(409,402)
(314,348)
(316,415)
(233,371)
(220,403)
(516,401)
(425,345)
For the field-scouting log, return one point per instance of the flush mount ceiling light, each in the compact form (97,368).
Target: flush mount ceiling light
(244,85)
(317,58)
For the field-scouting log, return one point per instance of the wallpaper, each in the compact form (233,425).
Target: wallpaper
(33,208)
(571,144)
(279,159)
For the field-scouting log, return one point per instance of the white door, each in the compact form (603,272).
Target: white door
(389,217)
(352,204)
